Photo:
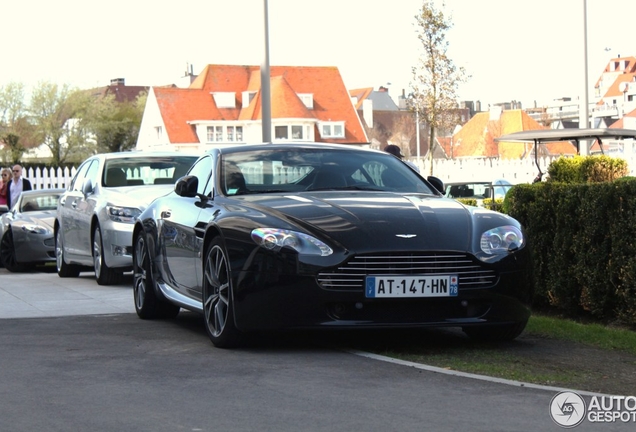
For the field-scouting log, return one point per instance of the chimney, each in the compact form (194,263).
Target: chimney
(118,81)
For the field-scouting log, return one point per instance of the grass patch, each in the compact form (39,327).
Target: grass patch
(596,335)
(495,364)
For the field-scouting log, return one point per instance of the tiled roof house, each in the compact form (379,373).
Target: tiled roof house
(476,139)
(223,106)
(119,90)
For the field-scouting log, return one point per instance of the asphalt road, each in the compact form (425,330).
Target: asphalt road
(107,370)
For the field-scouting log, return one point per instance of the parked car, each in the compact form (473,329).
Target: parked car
(478,190)
(26,231)
(309,236)
(96,213)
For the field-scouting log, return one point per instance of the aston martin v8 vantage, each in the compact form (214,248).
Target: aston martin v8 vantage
(307,236)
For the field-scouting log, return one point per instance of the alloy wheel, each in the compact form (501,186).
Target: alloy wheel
(216,290)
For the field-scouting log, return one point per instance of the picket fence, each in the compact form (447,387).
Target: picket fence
(49,178)
(515,171)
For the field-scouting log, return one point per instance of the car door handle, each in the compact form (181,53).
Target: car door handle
(166,214)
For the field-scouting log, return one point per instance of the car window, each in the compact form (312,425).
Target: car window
(202,170)
(76,183)
(92,174)
(39,202)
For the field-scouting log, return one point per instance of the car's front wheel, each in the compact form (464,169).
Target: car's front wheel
(147,305)
(63,270)
(495,332)
(7,253)
(218,297)
(104,274)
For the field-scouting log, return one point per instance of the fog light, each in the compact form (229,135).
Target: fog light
(118,250)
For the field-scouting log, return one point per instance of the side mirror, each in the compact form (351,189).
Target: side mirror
(187,186)
(437,183)
(87,187)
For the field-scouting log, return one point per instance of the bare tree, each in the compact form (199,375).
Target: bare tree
(435,78)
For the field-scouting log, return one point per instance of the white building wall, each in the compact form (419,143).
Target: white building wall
(151,120)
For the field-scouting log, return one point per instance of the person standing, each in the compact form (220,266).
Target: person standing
(4,185)
(397,152)
(17,185)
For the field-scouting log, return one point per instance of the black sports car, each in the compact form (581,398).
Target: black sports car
(306,236)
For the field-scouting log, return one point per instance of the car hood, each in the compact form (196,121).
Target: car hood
(395,221)
(136,196)
(44,218)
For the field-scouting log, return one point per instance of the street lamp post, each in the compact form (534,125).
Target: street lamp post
(584,118)
(266,103)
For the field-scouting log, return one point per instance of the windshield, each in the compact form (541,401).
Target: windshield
(296,170)
(145,170)
(39,202)
(478,190)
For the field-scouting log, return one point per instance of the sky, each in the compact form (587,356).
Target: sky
(532,52)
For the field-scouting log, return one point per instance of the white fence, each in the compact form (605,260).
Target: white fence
(515,171)
(49,178)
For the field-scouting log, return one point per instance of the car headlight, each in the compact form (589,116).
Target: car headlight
(275,239)
(35,229)
(501,240)
(123,214)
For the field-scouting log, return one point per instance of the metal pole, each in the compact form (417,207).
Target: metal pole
(417,135)
(266,98)
(584,119)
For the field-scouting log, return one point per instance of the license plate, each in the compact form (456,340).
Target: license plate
(411,286)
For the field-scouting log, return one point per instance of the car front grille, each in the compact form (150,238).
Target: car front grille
(350,276)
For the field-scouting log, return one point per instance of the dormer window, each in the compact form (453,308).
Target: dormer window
(247,97)
(224,99)
(307,99)
(332,129)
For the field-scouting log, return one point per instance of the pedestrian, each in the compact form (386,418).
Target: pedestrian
(17,185)
(397,152)
(4,186)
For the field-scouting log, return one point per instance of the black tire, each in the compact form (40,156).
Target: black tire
(218,304)
(495,332)
(7,254)
(147,305)
(63,270)
(103,274)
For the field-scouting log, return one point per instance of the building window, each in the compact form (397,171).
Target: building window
(297,132)
(224,134)
(332,130)
(307,99)
(159,131)
(280,132)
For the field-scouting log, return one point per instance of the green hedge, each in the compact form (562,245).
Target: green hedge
(583,245)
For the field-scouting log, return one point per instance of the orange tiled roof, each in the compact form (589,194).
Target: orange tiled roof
(630,67)
(330,98)
(477,137)
(360,94)
(615,89)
